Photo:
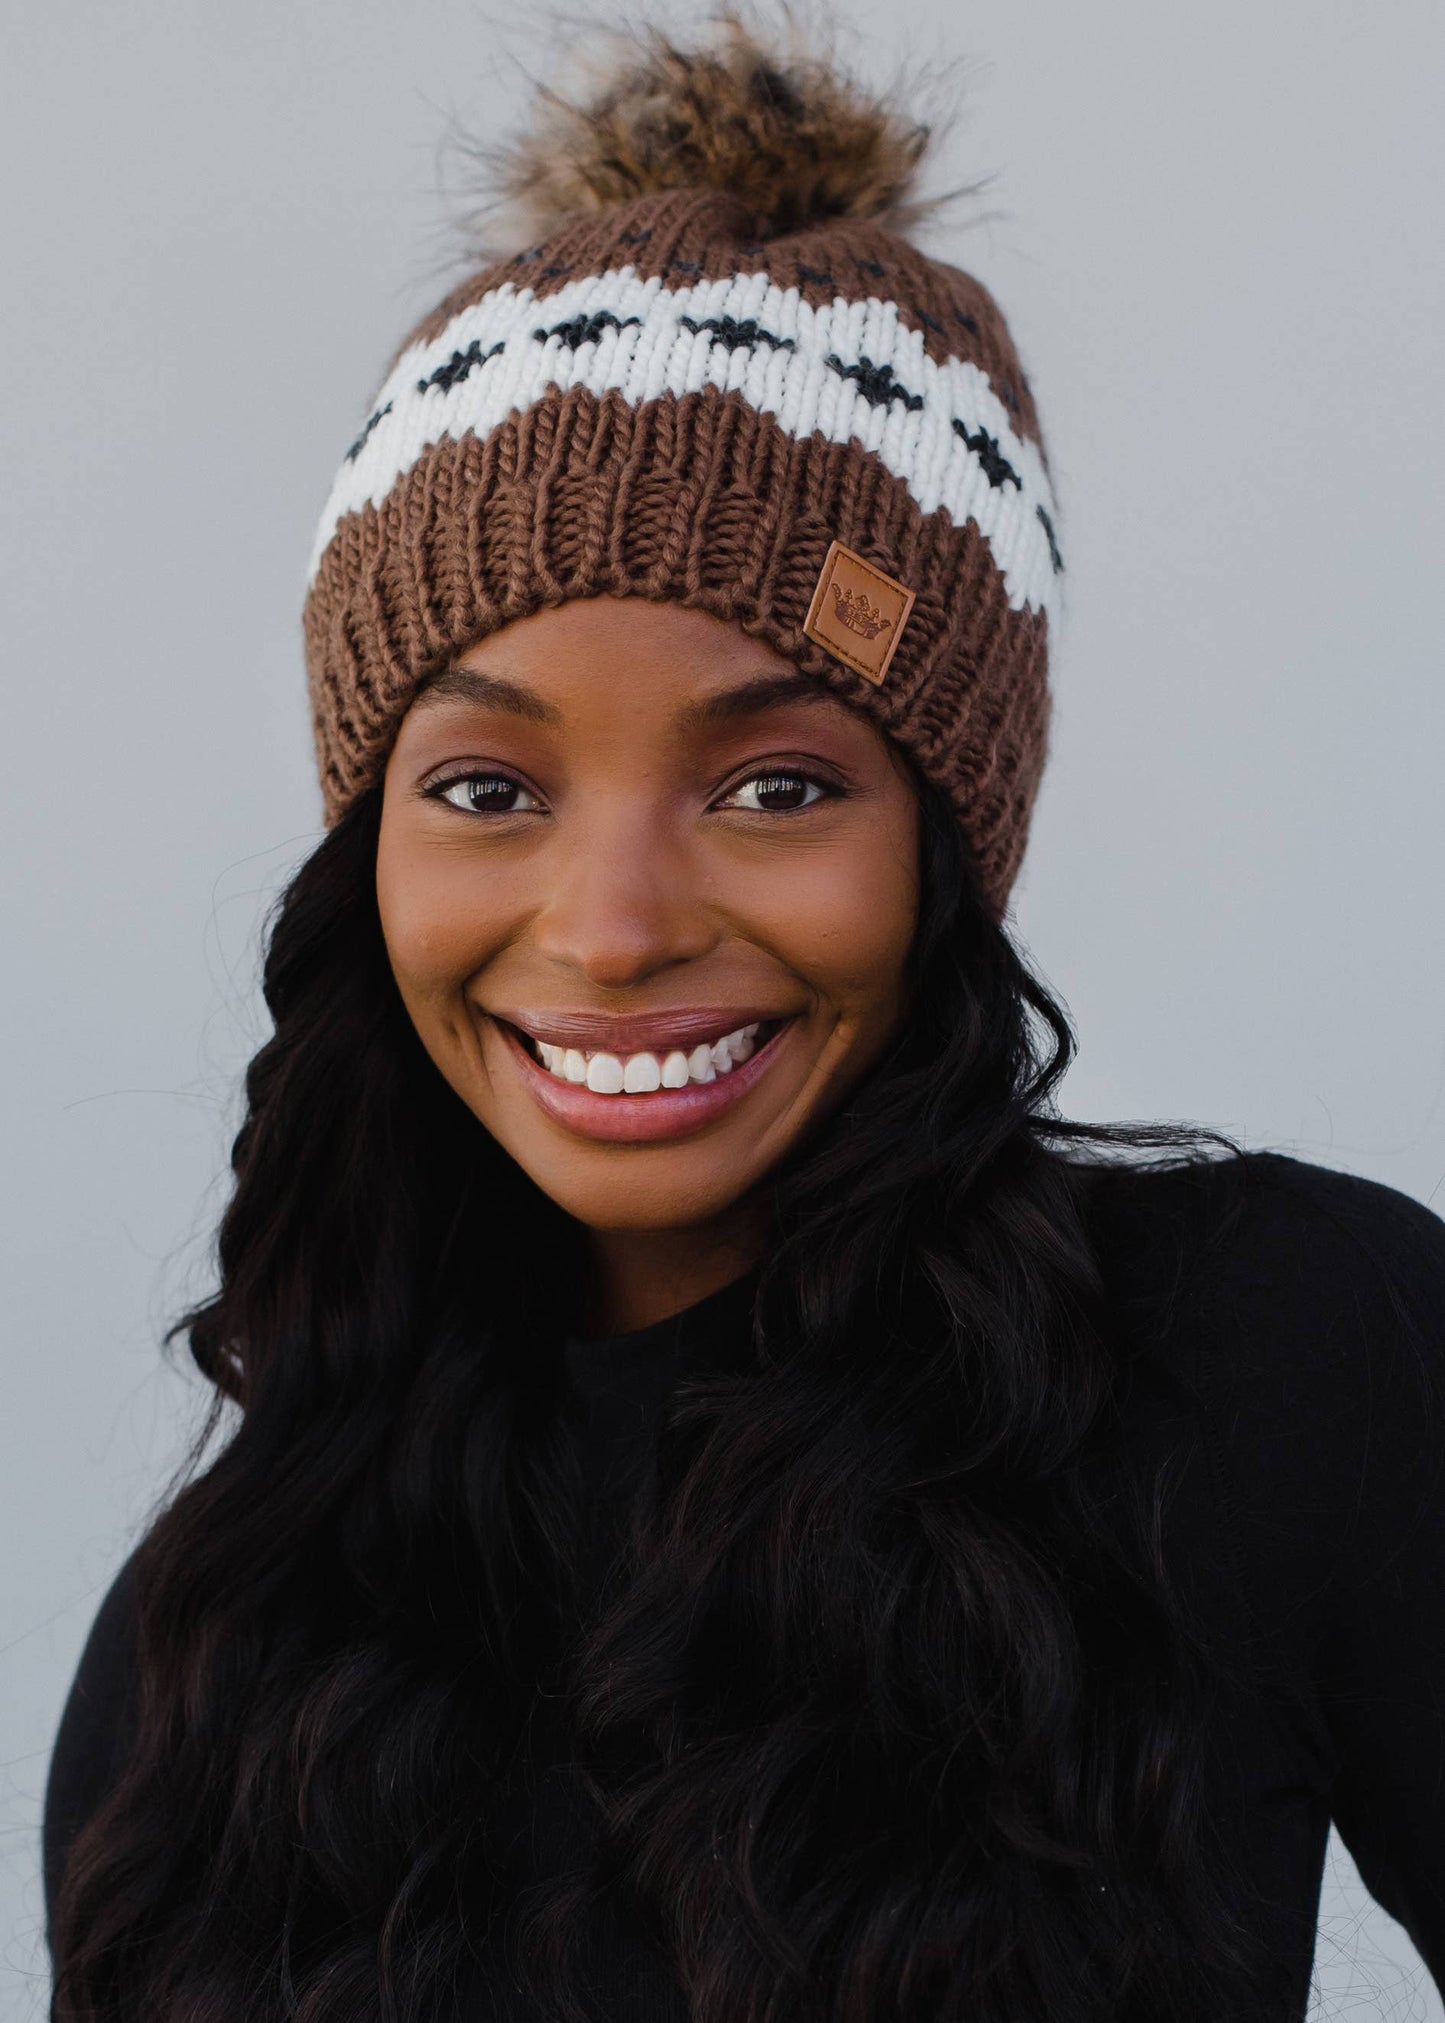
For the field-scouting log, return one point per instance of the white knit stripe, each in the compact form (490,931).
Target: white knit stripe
(792,383)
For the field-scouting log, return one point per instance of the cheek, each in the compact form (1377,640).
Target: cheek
(437,932)
(845,918)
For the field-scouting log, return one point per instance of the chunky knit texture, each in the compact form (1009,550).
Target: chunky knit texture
(656,404)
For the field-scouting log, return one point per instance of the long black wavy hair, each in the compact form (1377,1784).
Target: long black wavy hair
(887,1714)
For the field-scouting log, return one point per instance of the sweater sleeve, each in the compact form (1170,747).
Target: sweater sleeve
(1380,1647)
(94,1734)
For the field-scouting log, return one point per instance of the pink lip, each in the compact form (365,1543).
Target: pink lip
(625,1033)
(640,1120)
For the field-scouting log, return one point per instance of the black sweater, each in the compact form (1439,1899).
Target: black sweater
(1275,1355)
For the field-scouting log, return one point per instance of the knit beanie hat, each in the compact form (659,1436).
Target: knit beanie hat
(722,376)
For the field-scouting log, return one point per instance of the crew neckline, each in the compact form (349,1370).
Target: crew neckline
(594,1364)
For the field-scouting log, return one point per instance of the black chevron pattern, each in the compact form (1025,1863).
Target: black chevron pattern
(738,336)
(580,330)
(996,466)
(876,383)
(1054,556)
(361,441)
(461,365)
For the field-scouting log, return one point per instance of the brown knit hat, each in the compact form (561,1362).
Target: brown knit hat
(723,378)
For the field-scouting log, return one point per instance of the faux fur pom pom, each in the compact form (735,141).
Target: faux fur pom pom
(791,136)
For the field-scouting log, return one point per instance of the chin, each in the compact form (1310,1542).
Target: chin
(634,1191)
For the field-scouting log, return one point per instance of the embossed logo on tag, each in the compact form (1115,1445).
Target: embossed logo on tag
(857,612)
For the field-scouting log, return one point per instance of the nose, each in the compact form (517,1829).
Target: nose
(623,901)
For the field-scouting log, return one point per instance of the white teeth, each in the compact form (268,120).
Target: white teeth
(640,1074)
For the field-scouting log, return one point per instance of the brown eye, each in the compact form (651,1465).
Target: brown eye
(485,794)
(776,793)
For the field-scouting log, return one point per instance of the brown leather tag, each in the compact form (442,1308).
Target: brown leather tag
(858,613)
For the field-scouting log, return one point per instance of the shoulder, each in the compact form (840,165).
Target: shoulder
(95,1727)
(1299,1313)
(1267,1239)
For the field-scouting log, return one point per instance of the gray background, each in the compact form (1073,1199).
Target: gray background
(1216,231)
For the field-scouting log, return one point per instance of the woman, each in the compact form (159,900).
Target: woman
(733,1508)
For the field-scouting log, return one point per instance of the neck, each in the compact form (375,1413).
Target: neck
(643,1275)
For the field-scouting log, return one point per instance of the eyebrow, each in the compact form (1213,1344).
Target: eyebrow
(752,698)
(489,691)
(728,705)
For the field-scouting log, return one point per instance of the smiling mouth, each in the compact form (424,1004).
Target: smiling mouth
(653,1071)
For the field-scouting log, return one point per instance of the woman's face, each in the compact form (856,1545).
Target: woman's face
(648,893)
